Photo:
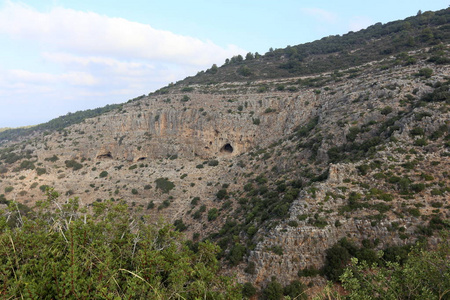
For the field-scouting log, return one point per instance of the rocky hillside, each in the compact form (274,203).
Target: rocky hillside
(276,171)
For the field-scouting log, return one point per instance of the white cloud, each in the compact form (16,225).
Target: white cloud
(83,60)
(71,78)
(93,34)
(320,14)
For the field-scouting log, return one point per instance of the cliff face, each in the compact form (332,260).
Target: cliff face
(292,165)
(204,126)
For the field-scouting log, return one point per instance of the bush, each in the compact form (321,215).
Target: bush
(213,213)
(54,158)
(213,163)
(179,225)
(9,189)
(273,291)
(425,72)
(248,290)
(134,191)
(386,110)
(44,187)
(73,164)
(337,258)
(295,290)
(428,270)
(236,253)
(103,174)
(308,272)
(41,171)
(221,194)
(251,268)
(164,184)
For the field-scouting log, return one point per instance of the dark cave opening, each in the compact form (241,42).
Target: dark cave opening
(227,148)
(104,155)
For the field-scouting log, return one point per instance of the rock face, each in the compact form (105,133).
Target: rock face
(222,154)
(205,126)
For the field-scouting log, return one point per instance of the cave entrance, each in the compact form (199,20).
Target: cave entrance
(227,148)
(104,155)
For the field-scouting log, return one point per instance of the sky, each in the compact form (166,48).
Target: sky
(60,56)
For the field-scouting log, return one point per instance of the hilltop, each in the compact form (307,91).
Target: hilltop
(274,157)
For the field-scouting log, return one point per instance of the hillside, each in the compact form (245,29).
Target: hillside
(277,166)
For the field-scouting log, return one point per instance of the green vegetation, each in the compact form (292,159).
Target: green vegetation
(164,184)
(422,275)
(73,164)
(68,253)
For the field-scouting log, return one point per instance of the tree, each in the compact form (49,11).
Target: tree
(424,275)
(244,71)
(214,69)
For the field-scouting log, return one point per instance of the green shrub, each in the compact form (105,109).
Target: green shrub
(236,254)
(213,163)
(248,290)
(308,272)
(9,189)
(103,174)
(251,268)
(295,290)
(44,187)
(54,158)
(41,171)
(420,142)
(386,110)
(293,223)
(73,164)
(417,131)
(164,184)
(273,291)
(179,225)
(213,213)
(425,72)
(221,194)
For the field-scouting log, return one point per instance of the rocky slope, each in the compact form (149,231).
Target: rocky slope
(276,171)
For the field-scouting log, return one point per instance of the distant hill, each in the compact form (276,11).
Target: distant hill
(332,53)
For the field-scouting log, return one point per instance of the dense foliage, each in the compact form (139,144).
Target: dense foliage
(63,251)
(424,275)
